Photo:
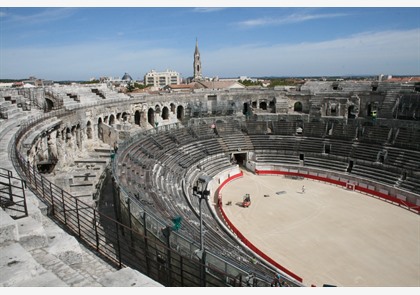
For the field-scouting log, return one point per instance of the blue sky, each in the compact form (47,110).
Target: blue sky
(77,43)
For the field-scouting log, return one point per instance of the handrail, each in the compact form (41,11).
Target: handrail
(12,194)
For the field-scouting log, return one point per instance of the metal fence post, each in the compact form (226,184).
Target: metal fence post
(64,209)
(96,230)
(146,248)
(78,218)
(9,177)
(33,173)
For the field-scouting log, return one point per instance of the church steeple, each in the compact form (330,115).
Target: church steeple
(197,63)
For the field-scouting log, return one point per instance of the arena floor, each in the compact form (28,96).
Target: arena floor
(327,235)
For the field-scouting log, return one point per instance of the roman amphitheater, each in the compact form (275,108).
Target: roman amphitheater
(100,188)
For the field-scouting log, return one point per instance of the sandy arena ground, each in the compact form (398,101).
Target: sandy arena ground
(327,235)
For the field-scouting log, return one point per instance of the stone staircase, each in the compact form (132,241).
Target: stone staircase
(389,104)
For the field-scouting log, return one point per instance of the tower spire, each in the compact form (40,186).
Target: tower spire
(197,63)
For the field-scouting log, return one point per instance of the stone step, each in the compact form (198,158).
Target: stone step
(17,265)
(104,150)
(47,279)
(8,228)
(31,234)
(128,277)
(88,161)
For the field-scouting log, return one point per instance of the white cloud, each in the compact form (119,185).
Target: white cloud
(395,52)
(290,19)
(44,16)
(208,9)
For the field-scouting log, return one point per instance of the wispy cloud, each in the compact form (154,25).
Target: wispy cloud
(208,9)
(391,52)
(43,16)
(290,19)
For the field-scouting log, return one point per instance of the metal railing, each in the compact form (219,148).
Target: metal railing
(12,194)
(142,243)
(136,245)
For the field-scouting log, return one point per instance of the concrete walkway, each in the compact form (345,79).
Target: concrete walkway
(327,235)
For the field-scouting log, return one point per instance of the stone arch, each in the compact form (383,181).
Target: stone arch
(351,112)
(78,136)
(151,116)
(100,130)
(69,137)
(245,109)
(124,116)
(111,120)
(263,105)
(333,109)
(89,131)
(180,112)
(106,119)
(173,108)
(157,109)
(49,105)
(137,117)
(298,107)
(118,116)
(272,105)
(165,113)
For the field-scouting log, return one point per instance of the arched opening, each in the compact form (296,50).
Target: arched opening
(89,132)
(351,113)
(245,109)
(73,132)
(106,120)
(298,106)
(333,109)
(49,105)
(165,113)
(78,137)
(263,105)
(137,118)
(68,135)
(272,105)
(100,131)
(180,113)
(173,108)
(157,109)
(369,109)
(151,117)
(111,120)
(124,117)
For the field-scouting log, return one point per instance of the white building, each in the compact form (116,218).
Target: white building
(161,79)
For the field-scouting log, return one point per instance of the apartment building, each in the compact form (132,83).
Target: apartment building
(161,79)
